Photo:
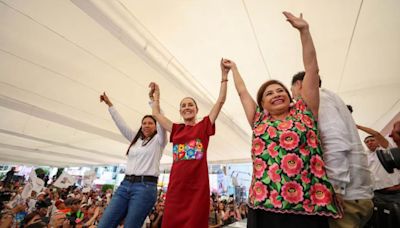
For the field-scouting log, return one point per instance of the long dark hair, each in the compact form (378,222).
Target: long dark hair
(140,134)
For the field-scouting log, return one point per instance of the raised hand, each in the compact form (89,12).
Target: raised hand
(224,69)
(104,98)
(228,64)
(154,93)
(297,22)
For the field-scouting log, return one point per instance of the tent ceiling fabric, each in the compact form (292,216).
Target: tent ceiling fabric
(56,57)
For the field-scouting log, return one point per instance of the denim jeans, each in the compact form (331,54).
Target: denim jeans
(132,201)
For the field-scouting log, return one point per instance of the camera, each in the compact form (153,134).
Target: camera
(389,158)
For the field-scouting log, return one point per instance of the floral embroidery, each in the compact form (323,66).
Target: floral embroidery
(288,170)
(259,167)
(260,191)
(271,132)
(289,140)
(260,129)
(274,199)
(285,125)
(292,192)
(258,146)
(271,150)
(291,164)
(312,139)
(272,173)
(317,166)
(304,177)
(188,151)
(320,195)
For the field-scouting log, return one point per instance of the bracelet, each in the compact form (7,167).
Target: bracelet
(224,80)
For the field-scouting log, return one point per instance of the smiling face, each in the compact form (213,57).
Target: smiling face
(188,109)
(148,126)
(275,99)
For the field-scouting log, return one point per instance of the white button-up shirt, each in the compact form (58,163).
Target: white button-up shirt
(142,160)
(345,159)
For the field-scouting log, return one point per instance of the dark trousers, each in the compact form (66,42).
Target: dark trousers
(259,218)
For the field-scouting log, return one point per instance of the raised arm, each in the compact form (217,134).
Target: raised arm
(222,93)
(154,95)
(383,142)
(310,91)
(248,103)
(125,130)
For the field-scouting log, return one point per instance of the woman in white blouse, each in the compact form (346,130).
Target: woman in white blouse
(137,193)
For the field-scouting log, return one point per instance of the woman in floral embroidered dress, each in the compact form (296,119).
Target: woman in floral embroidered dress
(188,197)
(289,185)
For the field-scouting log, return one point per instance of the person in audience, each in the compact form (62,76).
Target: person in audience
(6,219)
(243,209)
(395,134)
(137,193)
(386,185)
(42,209)
(31,219)
(75,215)
(232,214)
(188,181)
(214,220)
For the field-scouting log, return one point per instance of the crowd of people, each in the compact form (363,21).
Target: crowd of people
(310,168)
(70,207)
(52,207)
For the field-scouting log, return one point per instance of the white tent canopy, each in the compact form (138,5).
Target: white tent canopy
(56,57)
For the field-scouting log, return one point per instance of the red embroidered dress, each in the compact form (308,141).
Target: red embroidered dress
(288,170)
(188,197)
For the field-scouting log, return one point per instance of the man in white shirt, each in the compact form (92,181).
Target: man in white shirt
(344,156)
(386,185)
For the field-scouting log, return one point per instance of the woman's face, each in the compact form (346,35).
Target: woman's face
(148,127)
(275,99)
(188,109)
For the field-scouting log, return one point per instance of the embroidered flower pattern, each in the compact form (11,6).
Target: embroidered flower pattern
(273,173)
(288,171)
(258,146)
(271,149)
(320,195)
(289,140)
(259,191)
(188,151)
(291,164)
(317,166)
(292,192)
(259,167)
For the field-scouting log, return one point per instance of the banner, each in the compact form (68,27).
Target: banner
(88,178)
(64,181)
(37,183)
(27,190)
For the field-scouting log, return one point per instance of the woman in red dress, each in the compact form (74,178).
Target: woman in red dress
(188,197)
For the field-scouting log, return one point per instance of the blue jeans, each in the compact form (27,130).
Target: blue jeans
(132,201)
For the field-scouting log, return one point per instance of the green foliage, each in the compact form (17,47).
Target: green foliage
(107,186)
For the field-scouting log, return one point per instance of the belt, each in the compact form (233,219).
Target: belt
(133,178)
